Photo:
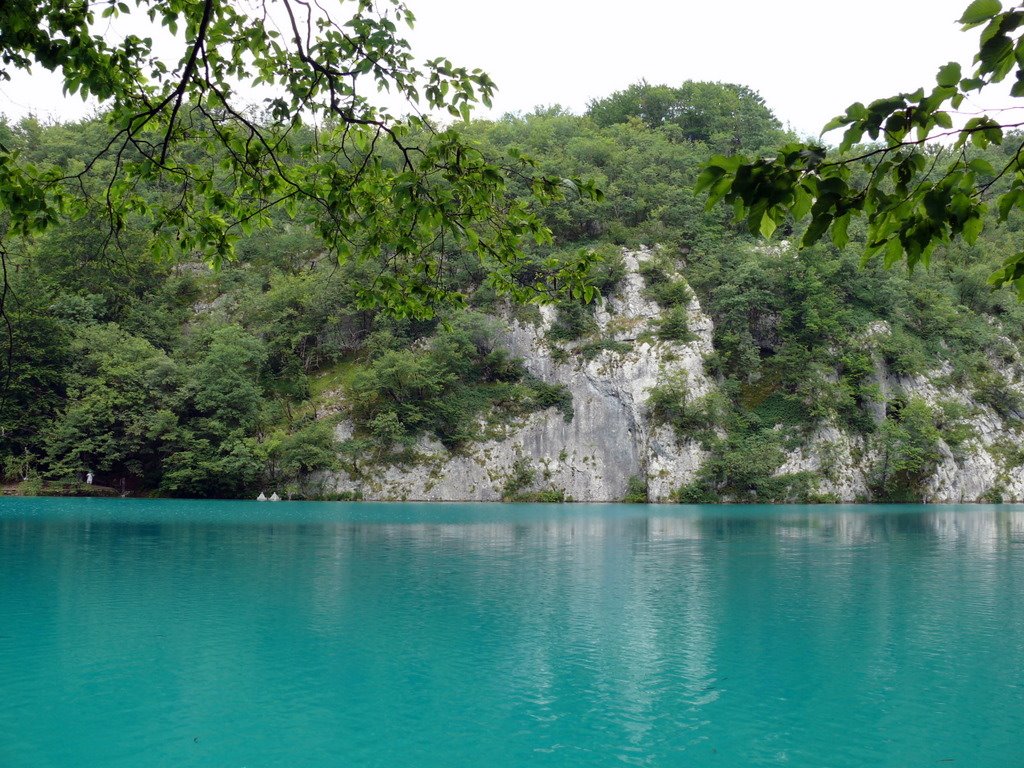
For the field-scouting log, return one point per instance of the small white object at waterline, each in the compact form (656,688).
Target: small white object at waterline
(274,496)
(261,497)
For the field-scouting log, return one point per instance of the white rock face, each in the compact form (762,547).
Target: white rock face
(978,466)
(609,439)
(838,461)
(978,470)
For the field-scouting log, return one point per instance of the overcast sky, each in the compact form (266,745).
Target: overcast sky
(807,58)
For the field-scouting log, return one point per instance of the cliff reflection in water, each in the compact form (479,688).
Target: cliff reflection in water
(872,636)
(969,527)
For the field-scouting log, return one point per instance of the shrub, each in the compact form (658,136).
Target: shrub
(993,495)
(31,486)
(953,422)
(909,452)
(992,389)
(573,321)
(904,354)
(545,395)
(607,272)
(356,495)
(743,466)
(592,349)
(311,448)
(674,325)
(652,273)
(669,403)
(547,496)
(674,293)
(781,408)
(695,493)
(636,490)
(443,388)
(667,292)
(520,477)
(386,429)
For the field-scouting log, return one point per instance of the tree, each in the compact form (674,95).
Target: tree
(396,191)
(922,181)
(722,115)
(34,386)
(655,105)
(224,385)
(120,406)
(909,453)
(214,451)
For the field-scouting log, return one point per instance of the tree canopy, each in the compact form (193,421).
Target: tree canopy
(231,381)
(187,152)
(922,180)
(725,116)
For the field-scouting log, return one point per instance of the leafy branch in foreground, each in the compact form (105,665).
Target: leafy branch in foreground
(921,183)
(396,192)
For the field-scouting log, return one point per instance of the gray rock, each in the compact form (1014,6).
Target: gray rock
(611,439)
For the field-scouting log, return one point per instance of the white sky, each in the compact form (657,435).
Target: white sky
(807,58)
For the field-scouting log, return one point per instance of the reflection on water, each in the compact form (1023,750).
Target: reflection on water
(172,634)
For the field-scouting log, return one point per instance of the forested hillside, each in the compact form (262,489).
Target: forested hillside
(272,372)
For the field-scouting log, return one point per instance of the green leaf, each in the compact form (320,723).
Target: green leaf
(972,228)
(709,176)
(836,122)
(980,165)
(949,75)
(981,11)
(819,225)
(1007,203)
(801,203)
(851,136)
(856,111)
(768,225)
(839,235)
(893,252)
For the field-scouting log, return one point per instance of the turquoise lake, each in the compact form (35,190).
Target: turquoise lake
(237,634)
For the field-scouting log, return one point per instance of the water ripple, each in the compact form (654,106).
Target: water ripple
(725,637)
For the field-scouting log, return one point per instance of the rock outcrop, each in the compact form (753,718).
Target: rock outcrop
(609,439)
(987,466)
(611,445)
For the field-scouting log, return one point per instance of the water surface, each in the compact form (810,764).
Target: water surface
(136,633)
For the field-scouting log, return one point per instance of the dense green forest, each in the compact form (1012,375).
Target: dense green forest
(174,379)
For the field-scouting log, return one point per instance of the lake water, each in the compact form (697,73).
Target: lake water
(167,633)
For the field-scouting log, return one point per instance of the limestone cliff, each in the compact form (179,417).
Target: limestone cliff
(986,465)
(610,445)
(609,438)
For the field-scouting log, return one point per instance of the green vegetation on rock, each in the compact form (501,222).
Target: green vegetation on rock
(181,380)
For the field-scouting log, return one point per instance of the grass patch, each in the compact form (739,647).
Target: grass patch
(592,349)
(336,377)
(780,408)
